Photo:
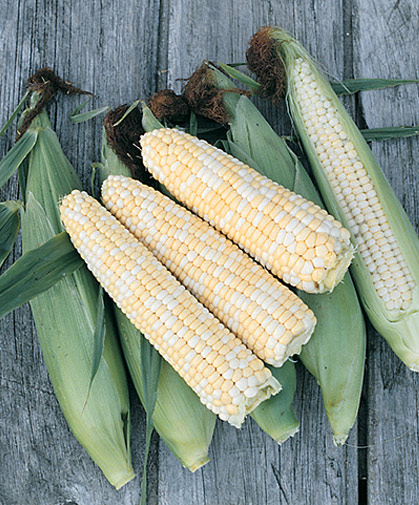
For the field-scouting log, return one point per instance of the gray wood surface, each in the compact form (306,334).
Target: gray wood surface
(122,50)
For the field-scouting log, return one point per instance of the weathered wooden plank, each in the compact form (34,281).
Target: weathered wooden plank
(110,48)
(386,46)
(247,467)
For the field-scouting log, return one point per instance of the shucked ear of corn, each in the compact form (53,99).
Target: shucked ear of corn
(386,265)
(268,317)
(65,318)
(335,354)
(229,379)
(275,415)
(180,419)
(291,236)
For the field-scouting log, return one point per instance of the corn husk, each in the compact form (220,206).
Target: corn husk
(9,227)
(276,416)
(65,319)
(181,420)
(335,354)
(398,327)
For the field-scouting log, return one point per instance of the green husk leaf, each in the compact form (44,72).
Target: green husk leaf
(390,132)
(151,362)
(13,159)
(130,109)
(350,86)
(92,181)
(148,432)
(150,122)
(150,366)
(239,64)
(22,173)
(9,227)
(241,77)
(19,107)
(86,116)
(79,108)
(398,327)
(65,317)
(193,124)
(110,163)
(276,416)
(36,271)
(334,355)
(202,131)
(98,339)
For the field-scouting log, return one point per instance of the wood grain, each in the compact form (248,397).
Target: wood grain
(123,50)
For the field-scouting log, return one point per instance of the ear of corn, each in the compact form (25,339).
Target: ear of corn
(275,415)
(9,227)
(288,234)
(386,266)
(335,354)
(65,318)
(228,378)
(180,419)
(269,318)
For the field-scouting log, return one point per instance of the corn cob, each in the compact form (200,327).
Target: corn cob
(386,267)
(228,378)
(268,317)
(291,236)
(335,354)
(181,420)
(65,319)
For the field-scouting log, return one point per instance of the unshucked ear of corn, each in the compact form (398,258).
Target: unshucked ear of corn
(335,354)
(229,379)
(386,265)
(291,236)
(180,419)
(65,319)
